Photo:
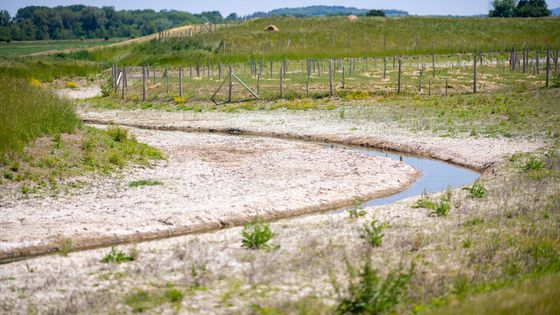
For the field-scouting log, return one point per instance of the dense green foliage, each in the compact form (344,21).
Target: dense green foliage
(79,21)
(336,37)
(29,112)
(323,10)
(522,8)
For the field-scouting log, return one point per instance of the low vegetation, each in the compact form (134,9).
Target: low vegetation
(372,233)
(144,182)
(118,256)
(29,112)
(256,235)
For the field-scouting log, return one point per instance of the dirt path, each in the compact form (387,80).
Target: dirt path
(209,181)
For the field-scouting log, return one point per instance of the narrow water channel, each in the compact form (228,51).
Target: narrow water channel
(437,176)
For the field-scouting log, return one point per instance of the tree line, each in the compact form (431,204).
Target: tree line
(80,21)
(521,8)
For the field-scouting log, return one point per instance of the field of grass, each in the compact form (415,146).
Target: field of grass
(42,139)
(28,112)
(335,37)
(355,78)
(16,49)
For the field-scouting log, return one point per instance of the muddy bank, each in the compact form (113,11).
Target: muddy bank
(208,182)
(325,126)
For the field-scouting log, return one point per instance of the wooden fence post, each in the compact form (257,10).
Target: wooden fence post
(547,66)
(446,85)
(538,62)
(281,82)
(433,65)
(144,70)
(474,81)
(230,84)
(330,79)
(258,83)
(180,81)
(343,77)
(384,68)
(166,81)
(399,78)
(123,82)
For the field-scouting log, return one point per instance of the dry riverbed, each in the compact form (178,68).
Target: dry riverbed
(207,182)
(245,175)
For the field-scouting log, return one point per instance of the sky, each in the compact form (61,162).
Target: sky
(424,7)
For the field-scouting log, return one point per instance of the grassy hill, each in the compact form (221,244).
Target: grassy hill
(323,37)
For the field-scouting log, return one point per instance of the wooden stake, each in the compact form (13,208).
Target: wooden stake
(547,66)
(144,70)
(230,84)
(123,82)
(399,78)
(181,82)
(474,81)
(330,79)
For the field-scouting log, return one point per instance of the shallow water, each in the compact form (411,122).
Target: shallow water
(436,176)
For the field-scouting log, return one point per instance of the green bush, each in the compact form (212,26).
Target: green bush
(118,134)
(117,256)
(440,208)
(368,293)
(256,235)
(373,232)
(533,164)
(356,211)
(476,190)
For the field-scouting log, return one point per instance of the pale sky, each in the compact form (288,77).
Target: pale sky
(424,7)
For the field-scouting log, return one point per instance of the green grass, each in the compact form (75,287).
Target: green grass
(16,49)
(46,69)
(533,296)
(29,112)
(323,37)
(48,160)
(142,300)
(144,182)
(117,256)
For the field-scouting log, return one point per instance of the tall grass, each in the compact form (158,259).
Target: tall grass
(49,68)
(329,37)
(28,112)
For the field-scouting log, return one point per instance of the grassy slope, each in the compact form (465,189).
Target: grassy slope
(336,37)
(42,140)
(29,112)
(535,296)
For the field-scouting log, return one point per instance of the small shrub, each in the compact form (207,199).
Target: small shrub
(440,209)
(116,256)
(25,189)
(474,222)
(367,293)
(256,235)
(174,295)
(71,85)
(476,191)
(106,88)
(118,134)
(373,233)
(66,247)
(57,141)
(357,211)
(115,157)
(8,175)
(533,164)
(144,182)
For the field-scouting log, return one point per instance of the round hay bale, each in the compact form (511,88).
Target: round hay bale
(352,18)
(271,28)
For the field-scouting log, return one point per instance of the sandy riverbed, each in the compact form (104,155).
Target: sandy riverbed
(209,181)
